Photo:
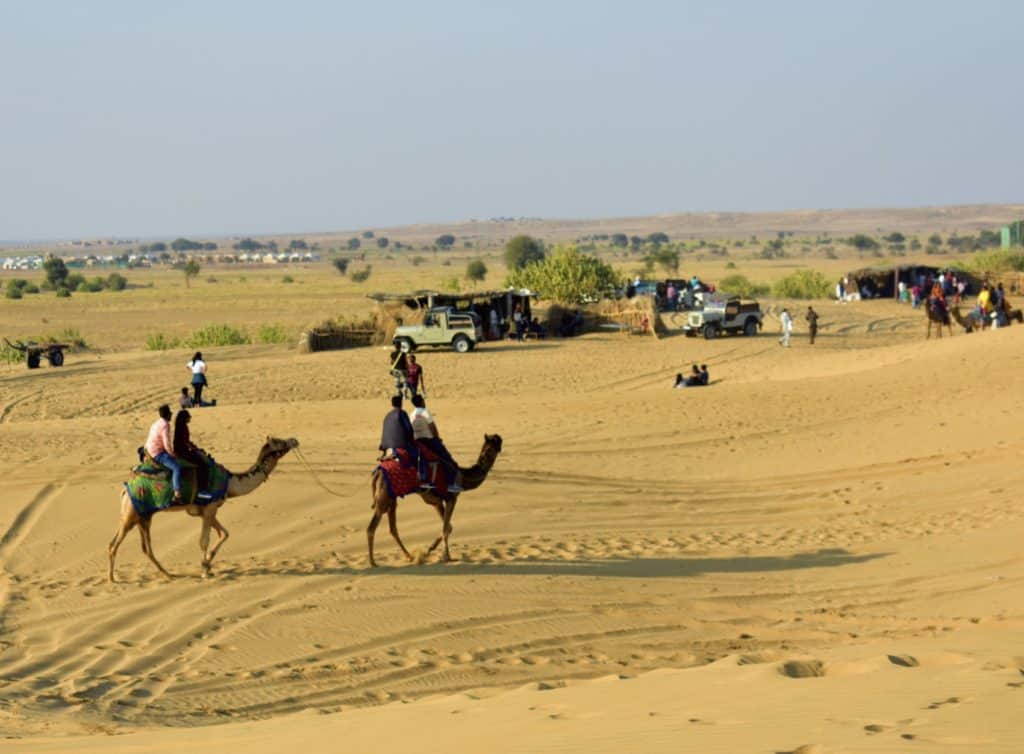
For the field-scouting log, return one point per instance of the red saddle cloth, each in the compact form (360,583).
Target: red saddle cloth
(402,477)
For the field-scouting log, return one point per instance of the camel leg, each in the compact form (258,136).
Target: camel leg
(393,525)
(439,507)
(147,545)
(369,535)
(222,537)
(126,525)
(447,529)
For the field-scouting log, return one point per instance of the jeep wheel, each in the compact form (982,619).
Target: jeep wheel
(710,332)
(56,357)
(750,328)
(461,344)
(405,345)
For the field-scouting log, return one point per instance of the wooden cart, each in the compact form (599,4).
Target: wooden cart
(35,352)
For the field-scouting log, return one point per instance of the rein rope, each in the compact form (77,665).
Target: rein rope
(316,477)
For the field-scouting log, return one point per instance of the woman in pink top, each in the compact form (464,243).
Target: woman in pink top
(160,449)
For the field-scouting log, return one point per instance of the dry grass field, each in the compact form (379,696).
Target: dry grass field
(819,552)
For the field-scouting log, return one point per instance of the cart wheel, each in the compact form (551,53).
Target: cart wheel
(32,360)
(56,358)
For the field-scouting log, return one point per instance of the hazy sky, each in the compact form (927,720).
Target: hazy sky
(215,117)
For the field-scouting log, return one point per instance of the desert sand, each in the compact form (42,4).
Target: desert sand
(820,552)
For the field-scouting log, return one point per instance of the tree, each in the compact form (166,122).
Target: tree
(297,244)
(667,259)
(935,240)
(56,271)
(367,234)
(158,247)
(862,242)
(341,265)
(183,244)
(382,242)
(523,250)
(476,270)
(567,276)
(620,239)
(895,237)
(247,244)
(353,244)
(657,238)
(209,246)
(446,241)
(191,270)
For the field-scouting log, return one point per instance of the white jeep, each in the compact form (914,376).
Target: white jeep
(730,315)
(441,327)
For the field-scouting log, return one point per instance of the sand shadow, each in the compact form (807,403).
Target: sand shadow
(638,568)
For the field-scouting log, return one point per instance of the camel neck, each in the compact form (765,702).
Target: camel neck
(475,475)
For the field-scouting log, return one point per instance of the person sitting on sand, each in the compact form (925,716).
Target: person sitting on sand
(158,446)
(185,400)
(425,432)
(705,378)
(680,382)
(692,380)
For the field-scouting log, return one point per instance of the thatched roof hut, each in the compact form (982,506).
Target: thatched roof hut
(882,282)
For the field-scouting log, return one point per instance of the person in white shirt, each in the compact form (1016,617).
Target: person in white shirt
(424,430)
(787,327)
(198,368)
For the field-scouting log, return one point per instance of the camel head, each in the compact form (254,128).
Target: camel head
(273,450)
(493,442)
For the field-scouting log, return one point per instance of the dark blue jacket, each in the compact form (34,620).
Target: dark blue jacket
(397,431)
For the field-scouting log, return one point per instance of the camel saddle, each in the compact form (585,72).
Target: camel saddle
(150,490)
(402,478)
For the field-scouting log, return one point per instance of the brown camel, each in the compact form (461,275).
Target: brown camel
(384,504)
(938,318)
(238,484)
(970,323)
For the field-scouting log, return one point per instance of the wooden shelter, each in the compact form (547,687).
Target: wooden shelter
(883,282)
(479,302)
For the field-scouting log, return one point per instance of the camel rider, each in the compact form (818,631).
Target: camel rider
(396,432)
(186,450)
(425,431)
(158,446)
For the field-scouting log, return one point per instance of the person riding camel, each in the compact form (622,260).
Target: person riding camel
(158,446)
(186,450)
(425,432)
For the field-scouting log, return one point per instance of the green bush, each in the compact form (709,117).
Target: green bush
(361,276)
(13,291)
(116,281)
(63,292)
(741,286)
(160,342)
(567,276)
(804,284)
(275,333)
(73,281)
(217,335)
(476,270)
(29,288)
(287,279)
(996,262)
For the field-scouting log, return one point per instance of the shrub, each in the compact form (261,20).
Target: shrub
(742,286)
(522,250)
(10,355)
(445,241)
(417,260)
(72,281)
(70,335)
(862,242)
(217,335)
(160,342)
(803,284)
(30,288)
(116,282)
(997,262)
(362,275)
(275,333)
(476,270)
(567,276)
(63,292)
(287,279)
(341,265)
(13,291)
(730,265)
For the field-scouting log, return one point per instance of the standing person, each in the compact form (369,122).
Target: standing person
(425,431)
(812,323)
(198,368)
(495,325)
(158,446)
(414,379)
(786,321)
(399,367)
(520,323)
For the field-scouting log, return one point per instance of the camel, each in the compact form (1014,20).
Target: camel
(383,503)
(973,321)
(238,484)
(938,318)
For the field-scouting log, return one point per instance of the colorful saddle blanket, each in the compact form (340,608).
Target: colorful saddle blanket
(402,477)
(150,489)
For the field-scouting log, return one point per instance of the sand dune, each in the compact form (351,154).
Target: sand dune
(818,553)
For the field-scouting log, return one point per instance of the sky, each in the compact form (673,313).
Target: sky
(215,118)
